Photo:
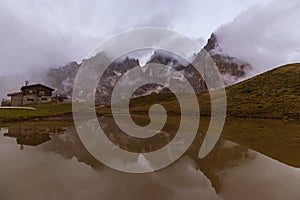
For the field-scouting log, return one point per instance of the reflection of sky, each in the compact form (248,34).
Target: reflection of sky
(262,178)
(31,174)
(36,173)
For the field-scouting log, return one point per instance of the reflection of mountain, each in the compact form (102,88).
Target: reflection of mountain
(134,144)
(69,145)
(224,156)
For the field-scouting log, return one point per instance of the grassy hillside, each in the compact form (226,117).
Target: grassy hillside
(273,94)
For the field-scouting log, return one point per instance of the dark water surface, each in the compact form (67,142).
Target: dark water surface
(48,161)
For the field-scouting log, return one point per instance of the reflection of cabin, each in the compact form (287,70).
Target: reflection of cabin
(32,135)
(31,94)
(27,135)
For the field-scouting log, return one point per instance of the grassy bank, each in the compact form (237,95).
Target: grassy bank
(42,111)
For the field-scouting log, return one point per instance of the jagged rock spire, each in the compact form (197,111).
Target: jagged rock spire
(212,43)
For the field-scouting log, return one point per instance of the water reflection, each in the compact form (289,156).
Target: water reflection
(31,135)
(57,166)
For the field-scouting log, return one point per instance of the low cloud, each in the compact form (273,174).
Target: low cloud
(39,34)
(266,36)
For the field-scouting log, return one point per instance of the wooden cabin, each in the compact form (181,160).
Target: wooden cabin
(31,94)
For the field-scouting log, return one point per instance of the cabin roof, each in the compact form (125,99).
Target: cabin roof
(36,85)
(14,94)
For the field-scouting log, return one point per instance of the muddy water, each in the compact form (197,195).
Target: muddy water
(48,161)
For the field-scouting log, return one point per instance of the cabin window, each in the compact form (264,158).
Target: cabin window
(30,99)
(30,91)
(44,99)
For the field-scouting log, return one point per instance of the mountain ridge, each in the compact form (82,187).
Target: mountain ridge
(230,68)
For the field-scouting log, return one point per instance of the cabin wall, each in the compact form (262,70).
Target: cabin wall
(30,99)
(33,99)
(16,100)
(45,99)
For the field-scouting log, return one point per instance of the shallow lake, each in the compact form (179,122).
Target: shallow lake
(48,161)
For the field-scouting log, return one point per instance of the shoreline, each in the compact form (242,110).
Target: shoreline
(69,117)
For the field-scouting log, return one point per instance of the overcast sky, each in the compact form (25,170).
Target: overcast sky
(36,34)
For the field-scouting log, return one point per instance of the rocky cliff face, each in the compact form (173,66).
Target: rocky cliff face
(182,67)
(231,69)
(110,78)
(62,78)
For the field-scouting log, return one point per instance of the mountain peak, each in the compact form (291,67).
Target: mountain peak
(230,67)
(212,43)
